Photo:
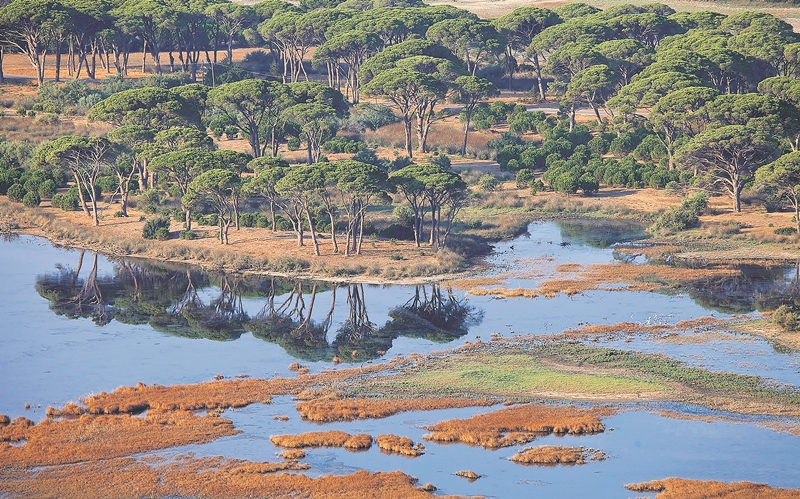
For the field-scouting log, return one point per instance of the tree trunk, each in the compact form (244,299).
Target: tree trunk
(58,62)
(466,130)
(2,53)
(313,231)
(333,232)
(407,127)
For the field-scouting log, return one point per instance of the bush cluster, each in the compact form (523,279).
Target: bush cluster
(156,228)
(682,217)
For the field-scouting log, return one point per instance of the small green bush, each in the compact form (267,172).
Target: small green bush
(31,199)
(293,143)
(787,317)
(15,193)
(47,189)
(152,226)
(162,233)
(187,234)
(524,178)
(488,183)
(404,215)
(682,217)
(785,231)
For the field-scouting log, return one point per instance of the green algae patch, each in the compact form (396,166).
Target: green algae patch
(510,375)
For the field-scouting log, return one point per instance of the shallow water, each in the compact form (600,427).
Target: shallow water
(641,447)
(171,324)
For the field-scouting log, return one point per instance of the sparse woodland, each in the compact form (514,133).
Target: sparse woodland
(645,97)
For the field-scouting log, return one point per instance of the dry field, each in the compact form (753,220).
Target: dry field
(326,411)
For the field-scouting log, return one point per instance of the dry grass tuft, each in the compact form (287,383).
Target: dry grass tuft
(468,474)
(556,454)
(210,478)
(399,445)
(352,409)
(678,488)
(91,438)
(71,410)
(4,420)
(331,438)
(293,454)
(518,425)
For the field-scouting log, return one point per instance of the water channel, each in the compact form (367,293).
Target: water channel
(77,323)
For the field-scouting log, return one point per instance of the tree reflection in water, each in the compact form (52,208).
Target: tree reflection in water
(191,303)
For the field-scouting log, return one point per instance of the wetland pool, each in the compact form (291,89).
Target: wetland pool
(77,323)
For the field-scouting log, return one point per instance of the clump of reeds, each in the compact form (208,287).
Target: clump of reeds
(399,445)
(468,474)
(556,454)
(293,454)
(516,425)
(90,438)
(70,410)
(331,438)
(678,488)
(352,409)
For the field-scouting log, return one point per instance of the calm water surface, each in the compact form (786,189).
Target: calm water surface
(77,323)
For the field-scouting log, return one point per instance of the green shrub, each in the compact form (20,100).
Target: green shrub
(536,186)
(15,193)
(488,183)
(293,143)
(187,234)
(682,217)
(524,178)
(47,189)
(787,317)
(343,145)
(231,132)
(785,231)
(162,233)
(152,226)
(31,199)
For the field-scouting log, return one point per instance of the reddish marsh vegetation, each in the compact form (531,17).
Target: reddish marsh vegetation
(331,438)
(399,445)
(210,478)
(677,488)
(352,409)
(556,454)
(90,438)
(518,425)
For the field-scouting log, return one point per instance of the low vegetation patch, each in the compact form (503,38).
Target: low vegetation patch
(326,411)
(550,455)
(518,425)
(392,444)
(678,488)
(331,438)
(93,438)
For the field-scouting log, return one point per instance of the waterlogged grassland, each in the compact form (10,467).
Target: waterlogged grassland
(510,375)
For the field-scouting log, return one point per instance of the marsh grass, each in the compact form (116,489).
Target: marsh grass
(393,444)
(518,425)
(326,411)
(677,488)
(331,438)
(551,455)
(93,438)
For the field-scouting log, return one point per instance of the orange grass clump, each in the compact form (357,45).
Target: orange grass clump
(4,420)
(210,478)
(518,425)
(678,488)
(293,454)
(598,276)
(468,474)
(70,410)
(399,445)
(331,438)
(352,409)
(213,394)
(556,454)
(91,438)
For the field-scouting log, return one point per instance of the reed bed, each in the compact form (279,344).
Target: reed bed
(71,410)
(326,411)
(518,425)
(600,276)
(91,438)
(210,478)
(468,474)
(219,394)
(4,420)
(551,455)
(330,438)
(393,444)
(678,488)
(293,454)
(594,330)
